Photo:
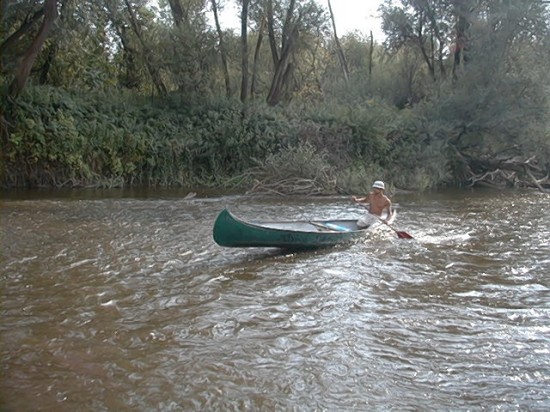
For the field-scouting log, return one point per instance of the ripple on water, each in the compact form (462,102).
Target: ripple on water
(128,304)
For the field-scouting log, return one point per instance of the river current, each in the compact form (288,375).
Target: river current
(116,301)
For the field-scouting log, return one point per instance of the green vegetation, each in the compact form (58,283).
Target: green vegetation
(65,140)
(123,94)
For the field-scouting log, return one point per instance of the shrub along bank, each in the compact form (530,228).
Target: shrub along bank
(63,139)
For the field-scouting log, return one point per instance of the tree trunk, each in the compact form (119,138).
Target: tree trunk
(340,52)
(25,66)
(420,35)
(244,51)
(460,43)
(177,12)
(286,25)
(282,73)
(271,33)
(371,51)
(283,67)
(257,57)
(24,28)
(431,14)
(223,51)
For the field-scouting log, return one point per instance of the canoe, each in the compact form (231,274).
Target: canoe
(231,231)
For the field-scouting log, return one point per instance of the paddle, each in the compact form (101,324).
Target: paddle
(400,235)
(321,226)
(330,226)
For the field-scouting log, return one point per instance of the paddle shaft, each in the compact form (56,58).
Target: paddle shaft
(400,234)
(331,226)
(321,226)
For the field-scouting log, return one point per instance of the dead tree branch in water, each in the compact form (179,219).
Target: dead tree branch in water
(498,172)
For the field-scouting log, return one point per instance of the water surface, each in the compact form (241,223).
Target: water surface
(124,303)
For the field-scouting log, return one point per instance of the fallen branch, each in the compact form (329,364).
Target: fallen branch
(537,184)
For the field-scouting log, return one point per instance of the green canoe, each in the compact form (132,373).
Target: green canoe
(231,231)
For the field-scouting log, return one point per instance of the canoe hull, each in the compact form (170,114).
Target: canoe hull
(229,231)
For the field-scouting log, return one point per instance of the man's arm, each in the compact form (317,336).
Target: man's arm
(389,211)
(364,199)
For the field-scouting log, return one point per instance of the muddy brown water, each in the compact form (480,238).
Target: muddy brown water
(115,301)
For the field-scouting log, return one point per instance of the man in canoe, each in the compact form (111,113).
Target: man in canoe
(376,203)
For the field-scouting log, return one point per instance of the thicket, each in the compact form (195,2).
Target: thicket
(66,139)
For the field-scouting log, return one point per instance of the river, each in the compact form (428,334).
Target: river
(121,301)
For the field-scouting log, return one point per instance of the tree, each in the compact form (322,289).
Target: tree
(24,69)
(496,103)
(462,11)
(223,51)
(299,19)
(152,65)
(190,51)
(425,25)
(339,51)
(129,77)
(256,60)
(244,50)
(25,26)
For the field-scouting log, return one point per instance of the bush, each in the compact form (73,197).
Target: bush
(300,169)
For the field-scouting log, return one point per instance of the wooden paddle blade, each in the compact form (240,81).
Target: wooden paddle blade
(403,235)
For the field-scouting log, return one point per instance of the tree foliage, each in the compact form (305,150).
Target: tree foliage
(457,91)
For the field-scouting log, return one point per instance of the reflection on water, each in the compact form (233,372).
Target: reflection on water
(126,303)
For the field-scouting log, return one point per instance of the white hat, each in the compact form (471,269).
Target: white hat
(379,185)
